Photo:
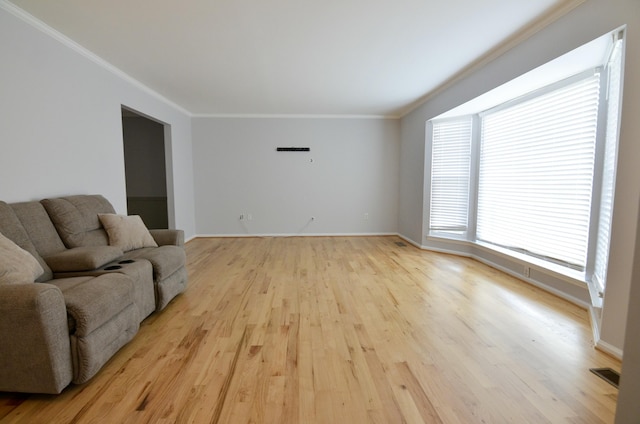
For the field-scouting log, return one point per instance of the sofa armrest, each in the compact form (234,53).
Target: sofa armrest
(36,354)
(85,258)
(168,237)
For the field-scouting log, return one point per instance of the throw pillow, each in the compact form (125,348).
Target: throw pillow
(17,266)
(126,232)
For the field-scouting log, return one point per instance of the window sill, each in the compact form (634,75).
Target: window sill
(448,237)
(577,278)
(570,275)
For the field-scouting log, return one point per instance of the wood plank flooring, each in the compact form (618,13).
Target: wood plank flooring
(343,330)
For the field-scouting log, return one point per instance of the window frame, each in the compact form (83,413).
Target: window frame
(463,232)
(470,235)
(551,88)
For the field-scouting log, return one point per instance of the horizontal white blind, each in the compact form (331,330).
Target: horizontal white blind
(609,166)
(450,167)
(536,171)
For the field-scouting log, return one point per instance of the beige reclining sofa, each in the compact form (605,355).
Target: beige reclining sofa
(90,297)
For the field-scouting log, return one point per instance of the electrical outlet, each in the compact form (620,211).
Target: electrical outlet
(366,216)
(313,218)
(241,217)
(249,217)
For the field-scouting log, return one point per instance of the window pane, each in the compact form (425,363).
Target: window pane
(536,171)
(450,167)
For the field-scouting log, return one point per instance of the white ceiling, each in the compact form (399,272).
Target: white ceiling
(291,57)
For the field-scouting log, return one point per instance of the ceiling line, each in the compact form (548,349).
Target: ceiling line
(83,51)
(494,53)
(291,116)
(502,48)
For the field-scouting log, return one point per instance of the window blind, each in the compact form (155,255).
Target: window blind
(450,168)
(535,174)
(609,166)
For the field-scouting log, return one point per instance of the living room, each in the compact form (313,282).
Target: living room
(364,174)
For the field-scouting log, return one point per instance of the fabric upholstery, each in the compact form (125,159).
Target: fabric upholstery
(67,283)
(17,266)
(140,272)
(94,302)
(126,232)
(168,237)
(170,287)
(35,356)
(83,258)
(89,353)
(76,219)
(36,222)
(102,319)
(165,259)
(12,228)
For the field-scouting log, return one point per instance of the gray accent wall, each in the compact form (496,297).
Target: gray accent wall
(351,170)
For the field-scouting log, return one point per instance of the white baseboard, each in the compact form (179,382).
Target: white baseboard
(609,349)
(597,342)
(579,302)
(411,242)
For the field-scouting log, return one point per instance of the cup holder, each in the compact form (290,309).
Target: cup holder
(113,268)
(127,261)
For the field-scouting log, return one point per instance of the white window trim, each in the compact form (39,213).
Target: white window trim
(469,237)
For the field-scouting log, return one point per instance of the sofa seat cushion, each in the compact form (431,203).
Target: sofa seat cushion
(165,259)
(93,301)
(83,258)
(65,284)
(17,266)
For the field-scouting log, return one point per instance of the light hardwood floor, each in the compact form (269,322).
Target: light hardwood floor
(343,330)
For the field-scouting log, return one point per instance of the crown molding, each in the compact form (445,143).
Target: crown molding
(289,116)
(493,54)
(68,42)
(524,34)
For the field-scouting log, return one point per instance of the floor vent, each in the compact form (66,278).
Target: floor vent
(607,374)
(401,244)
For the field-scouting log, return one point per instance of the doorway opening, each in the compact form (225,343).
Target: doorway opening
(145,162)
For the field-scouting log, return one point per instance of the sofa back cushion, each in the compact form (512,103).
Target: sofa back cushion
(76,219)
(39,227)
(14,230)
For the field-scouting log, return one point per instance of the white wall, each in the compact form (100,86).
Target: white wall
(585,23)
(628,407)
(61,126)
(354,172)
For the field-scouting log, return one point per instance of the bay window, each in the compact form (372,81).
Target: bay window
(533,175)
